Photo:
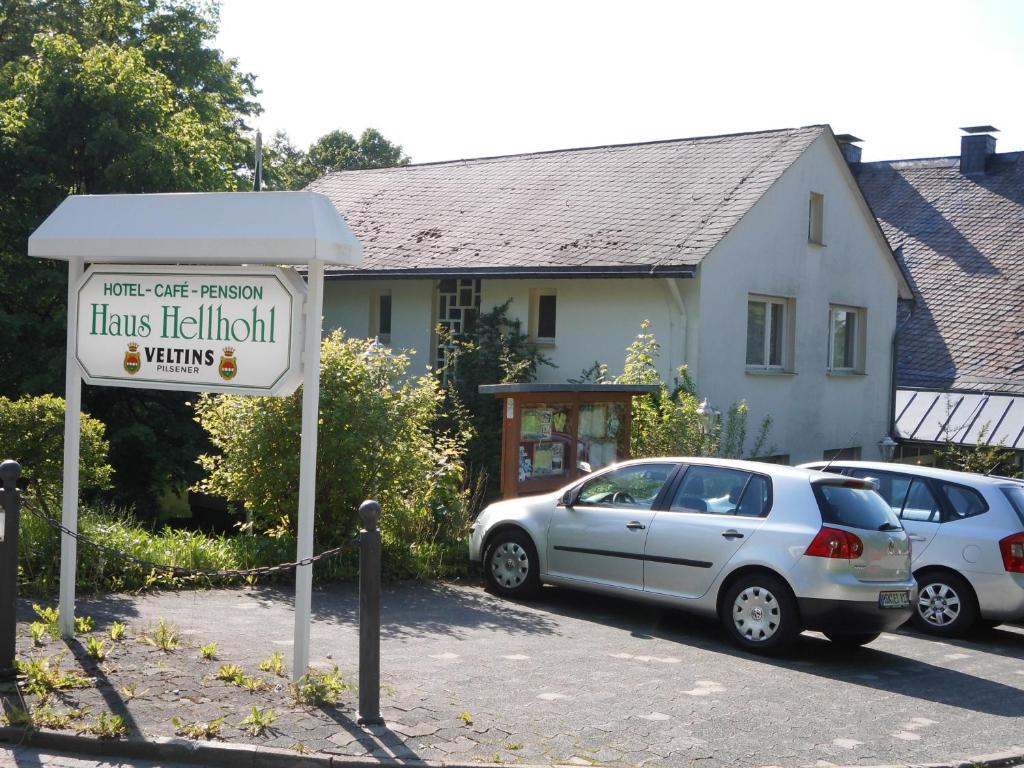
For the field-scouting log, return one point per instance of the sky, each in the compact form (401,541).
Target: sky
(450,80)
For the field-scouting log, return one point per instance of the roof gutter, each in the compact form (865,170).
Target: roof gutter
(512,273)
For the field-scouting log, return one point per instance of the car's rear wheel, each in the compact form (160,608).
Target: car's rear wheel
(848,640)
(759,614)
(511,567)
(945,604)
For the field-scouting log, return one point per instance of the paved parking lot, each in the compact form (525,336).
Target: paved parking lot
(577,678)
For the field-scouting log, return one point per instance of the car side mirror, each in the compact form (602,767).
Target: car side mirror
(566,499)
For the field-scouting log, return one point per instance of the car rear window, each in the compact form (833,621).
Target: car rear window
(1015,494)
(963,501)
(854,507)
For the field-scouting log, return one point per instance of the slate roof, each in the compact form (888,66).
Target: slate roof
(961,241)
(653,208)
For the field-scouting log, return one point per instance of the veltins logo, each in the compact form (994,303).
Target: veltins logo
(228,364)
(132,359)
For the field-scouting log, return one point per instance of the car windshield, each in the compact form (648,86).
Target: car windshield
(1015,494)
(854,508)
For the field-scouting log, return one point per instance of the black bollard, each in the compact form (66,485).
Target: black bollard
(10,507)
(369,616)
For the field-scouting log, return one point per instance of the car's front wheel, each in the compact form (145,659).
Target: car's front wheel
(848,640)
(511,567)
(945,604)
(760,615)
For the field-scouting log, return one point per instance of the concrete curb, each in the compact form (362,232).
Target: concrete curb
(224,755)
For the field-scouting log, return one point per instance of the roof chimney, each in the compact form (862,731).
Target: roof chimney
(976,147)
(848,147)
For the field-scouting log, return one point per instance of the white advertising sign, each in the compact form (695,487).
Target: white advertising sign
(211,329)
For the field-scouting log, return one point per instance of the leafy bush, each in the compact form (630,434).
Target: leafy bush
(377,439)
(32,433)
(668,422)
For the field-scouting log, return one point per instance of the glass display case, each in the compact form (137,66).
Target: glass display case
(554,433)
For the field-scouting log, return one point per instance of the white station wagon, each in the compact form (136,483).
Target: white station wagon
(967,534)
(770,550)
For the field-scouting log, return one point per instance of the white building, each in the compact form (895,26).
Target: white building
(754,256)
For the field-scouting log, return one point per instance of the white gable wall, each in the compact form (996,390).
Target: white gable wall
(768,253)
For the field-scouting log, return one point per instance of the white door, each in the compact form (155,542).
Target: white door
(600,537)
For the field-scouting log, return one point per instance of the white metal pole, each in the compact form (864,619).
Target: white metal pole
(307,464)
(72,440)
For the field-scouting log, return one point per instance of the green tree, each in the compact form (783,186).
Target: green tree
(107,96)
(287,167)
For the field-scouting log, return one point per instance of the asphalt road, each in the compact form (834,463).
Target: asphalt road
(577,678)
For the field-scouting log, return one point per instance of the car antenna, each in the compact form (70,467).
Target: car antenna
(992,469)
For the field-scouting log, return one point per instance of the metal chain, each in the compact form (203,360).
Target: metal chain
(176,570)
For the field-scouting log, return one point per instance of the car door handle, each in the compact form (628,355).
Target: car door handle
(635,525)
(915,537)
(732,534)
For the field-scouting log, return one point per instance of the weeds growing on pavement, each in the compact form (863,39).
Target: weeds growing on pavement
(38,630)
(44,675)
(165,636)
(95,648)
(46,716)
(466,718)
(274,664)
(258,721)
(208,651)
(131,691)
(198,729)
(301,748)
(252,684)
(107,726)
(118,631)
(318,687)
(230,673)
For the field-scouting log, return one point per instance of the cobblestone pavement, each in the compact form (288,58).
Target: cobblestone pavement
(26,757)
(566,678)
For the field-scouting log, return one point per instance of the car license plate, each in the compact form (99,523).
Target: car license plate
(894,599)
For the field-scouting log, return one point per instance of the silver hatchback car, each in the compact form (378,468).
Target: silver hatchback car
(770,550)
(967,534)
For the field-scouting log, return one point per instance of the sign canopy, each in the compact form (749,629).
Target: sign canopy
(197,228)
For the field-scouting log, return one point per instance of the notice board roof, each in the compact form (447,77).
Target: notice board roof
(514,389)
(197,228)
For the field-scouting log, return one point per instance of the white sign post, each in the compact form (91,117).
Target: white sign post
(139,318)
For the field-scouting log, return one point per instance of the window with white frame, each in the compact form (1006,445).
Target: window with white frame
(846,339)
(543,315)
(768,333)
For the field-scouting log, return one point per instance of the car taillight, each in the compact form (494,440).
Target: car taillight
(832,542)
(1012,548)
